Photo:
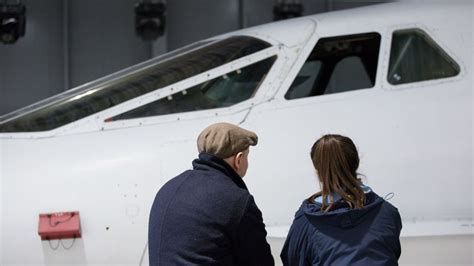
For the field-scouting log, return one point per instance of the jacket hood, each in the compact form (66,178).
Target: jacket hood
(342,217)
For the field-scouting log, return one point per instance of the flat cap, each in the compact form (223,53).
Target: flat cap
(224,140)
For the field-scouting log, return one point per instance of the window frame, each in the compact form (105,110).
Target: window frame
(87,100)
(96,122)
(103,80)
(305,53)
(185,85)
(423,83)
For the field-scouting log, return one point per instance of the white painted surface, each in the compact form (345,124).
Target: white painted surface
(415,140)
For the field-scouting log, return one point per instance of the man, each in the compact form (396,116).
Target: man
(206,216)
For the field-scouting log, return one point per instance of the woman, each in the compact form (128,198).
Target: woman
(345,223)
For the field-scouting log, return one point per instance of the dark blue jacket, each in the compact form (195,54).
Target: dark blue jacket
(344,236)
(206,216)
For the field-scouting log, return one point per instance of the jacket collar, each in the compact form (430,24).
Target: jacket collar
(337,197)
(343,217)
(209,162)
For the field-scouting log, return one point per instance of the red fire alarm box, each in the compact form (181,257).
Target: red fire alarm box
(59,225)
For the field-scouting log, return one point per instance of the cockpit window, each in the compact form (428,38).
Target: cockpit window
(338,64)
(111,93)
(416,57)
(224,91)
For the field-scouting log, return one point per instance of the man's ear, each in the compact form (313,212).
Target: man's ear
(238,159)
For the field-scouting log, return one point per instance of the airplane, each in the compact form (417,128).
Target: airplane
(396,78)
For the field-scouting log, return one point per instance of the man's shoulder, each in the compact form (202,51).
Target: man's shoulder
(177,180)
(206,182)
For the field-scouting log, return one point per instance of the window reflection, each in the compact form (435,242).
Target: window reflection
(338,64)
(226,90)
(416,57)
(106,95)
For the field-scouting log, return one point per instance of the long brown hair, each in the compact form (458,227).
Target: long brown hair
(336,160)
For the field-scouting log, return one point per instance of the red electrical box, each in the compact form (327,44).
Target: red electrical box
(59,225)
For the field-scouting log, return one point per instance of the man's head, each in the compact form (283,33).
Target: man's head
(228,142)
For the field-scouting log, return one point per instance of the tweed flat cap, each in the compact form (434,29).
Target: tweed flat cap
(224,140)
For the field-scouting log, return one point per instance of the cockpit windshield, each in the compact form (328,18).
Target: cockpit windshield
(98,97)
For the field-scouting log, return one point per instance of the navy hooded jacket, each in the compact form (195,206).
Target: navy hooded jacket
(206,216)
(344,236)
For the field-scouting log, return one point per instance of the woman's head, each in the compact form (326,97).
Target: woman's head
(336,160)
